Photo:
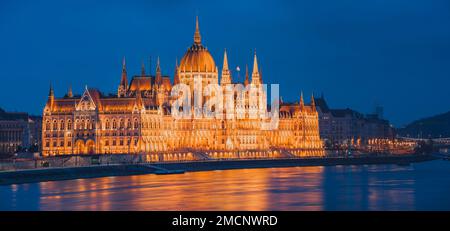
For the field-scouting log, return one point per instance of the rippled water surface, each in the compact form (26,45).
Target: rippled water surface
(421,186)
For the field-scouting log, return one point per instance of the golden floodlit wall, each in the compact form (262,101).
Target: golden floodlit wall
(138,119)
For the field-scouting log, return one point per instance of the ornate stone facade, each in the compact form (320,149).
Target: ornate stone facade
(139,120)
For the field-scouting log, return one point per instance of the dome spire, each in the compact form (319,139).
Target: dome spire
(197,36)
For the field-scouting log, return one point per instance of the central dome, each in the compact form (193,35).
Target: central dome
(197,58)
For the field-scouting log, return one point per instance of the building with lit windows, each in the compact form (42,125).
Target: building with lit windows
(138,118)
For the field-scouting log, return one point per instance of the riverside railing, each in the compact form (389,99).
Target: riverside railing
(116,159)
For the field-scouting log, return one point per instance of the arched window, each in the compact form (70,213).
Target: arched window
(77,124)
(69,124)
(121,124)
(107,126)
(114,124)
(55,125)
(128,123)
(136,125)
(61,125)
(47,125)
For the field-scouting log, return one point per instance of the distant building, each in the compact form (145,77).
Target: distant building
(339,126)
(35,130)
(19,130)
(13,131)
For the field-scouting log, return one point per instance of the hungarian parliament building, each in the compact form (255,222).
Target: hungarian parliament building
(139,118)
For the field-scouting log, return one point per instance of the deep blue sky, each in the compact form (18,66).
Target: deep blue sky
(359,53)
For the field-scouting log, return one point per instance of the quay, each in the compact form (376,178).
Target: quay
(94,171)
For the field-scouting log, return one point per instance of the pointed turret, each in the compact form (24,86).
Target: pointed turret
(50,92)
(123,86)
(197,36)
(226,76)
(225,61)
(255,64)
(51,97)
(123,79)
(143,69)
(69,92)
(313,103)
(176,78)
(158,79)
(302,103)
(246,81)
(255,72)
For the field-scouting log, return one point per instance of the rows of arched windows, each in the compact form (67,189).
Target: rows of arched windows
(121,124)
(58,125)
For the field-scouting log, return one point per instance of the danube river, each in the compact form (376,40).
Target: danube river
(419,186)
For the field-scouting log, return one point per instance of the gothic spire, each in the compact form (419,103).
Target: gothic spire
(123,79)
(51,97)
(51,93)
(225,61)
(255,64)
(255,72)
(124,68)
(302,103)
(158,73)
(176,78)
(143,69)
(197,36)
(246,81)
(158,68)
(313,103)
(123,86)
(226,76)
(69,92)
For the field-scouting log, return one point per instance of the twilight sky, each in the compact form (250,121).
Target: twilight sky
(395,53)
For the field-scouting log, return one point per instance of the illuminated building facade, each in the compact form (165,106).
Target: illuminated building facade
(19,131)
(138,118)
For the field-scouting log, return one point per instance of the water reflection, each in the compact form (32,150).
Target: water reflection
(382,187)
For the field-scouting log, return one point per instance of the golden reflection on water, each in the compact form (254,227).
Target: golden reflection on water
(382,187)
(245,189)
